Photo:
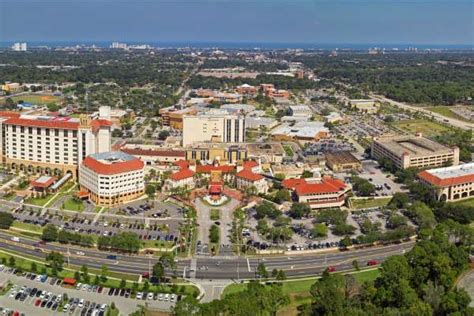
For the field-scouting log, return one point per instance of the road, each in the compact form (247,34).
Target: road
(451,121)
(213,267)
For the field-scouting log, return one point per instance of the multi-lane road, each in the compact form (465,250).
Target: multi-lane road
(207,267)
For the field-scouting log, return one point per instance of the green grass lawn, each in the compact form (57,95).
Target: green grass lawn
(27,226)
(446,111)
(37,99)
(73,205)
(301,287)
(369,203)
(215,214)
(288,150)
(426,127)
(41,201)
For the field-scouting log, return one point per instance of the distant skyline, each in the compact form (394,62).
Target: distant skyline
(436,22)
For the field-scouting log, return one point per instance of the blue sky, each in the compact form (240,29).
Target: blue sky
(283,21)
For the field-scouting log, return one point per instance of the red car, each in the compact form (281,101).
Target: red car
(372,263)
(38,301)
(331,269)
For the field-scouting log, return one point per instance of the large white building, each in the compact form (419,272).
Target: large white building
(215,126)
(111,178)
(51,145)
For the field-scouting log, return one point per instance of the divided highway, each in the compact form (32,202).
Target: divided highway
(211,267)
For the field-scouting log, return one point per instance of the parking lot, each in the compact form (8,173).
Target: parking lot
(107,225)
(34,295)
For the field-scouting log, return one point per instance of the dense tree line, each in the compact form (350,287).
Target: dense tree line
(257,299)
(415,78)
(125,241)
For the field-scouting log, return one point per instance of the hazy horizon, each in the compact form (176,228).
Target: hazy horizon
(354,22)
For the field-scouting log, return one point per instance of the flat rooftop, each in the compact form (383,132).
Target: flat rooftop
(112,157)
(413,145)
(341,157)
(453,171)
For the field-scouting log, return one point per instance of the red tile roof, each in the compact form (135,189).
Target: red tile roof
(182,174)
(249,164)
(97,124)
(113,168)
(249,175)
(209,168)
(151,152)
(43,184)
(303,187)
(63,124)
(446,182)
(182,164)
(9,114)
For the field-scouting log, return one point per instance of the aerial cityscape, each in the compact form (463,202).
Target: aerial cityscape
(187,158)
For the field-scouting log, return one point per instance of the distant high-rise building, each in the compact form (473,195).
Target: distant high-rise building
(20,47)
(117,45)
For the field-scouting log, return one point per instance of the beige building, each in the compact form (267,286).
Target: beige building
(213,126)
(414,151)
(325,192)
(216,152)
(365,105)
(111,178)
(342,161)
(453,183)
(51,145)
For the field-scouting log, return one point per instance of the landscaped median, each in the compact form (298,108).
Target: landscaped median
(299,289)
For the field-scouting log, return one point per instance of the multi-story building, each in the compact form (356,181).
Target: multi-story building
(150,155)
(213,126)
(220,152)
(453,183)
(249,177)
(414,151)
(365,105)
(342,161)
(246,89)
(111,178)
(51,145)
(20,47)
(319,193)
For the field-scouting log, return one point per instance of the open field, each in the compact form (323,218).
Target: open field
(446,111)
(369,202)
(36,99)
(426,127)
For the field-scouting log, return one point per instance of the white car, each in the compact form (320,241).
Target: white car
(160,297)
(103,307)
(12,294)
(173,297)
(78,286)
(150,296)
(80,253)
(81,303)
(139,295)
(65,308)
(167,297)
